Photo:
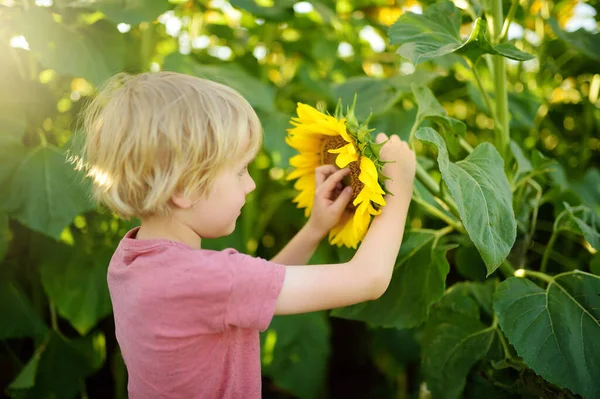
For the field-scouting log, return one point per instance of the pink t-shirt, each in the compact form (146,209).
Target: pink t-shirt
(187,320)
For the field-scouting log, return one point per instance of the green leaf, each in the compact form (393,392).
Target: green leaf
(468,262)
(482,193)
(427,36)
(588,222)
(430,108)
(87,300)
(295,351)
(374,95)
(17,316)
(586,42)
(555,330)
(478,45)
(58,366)
(46,193)
(419,279)
(95,52)
(523,164)
(131,12)
(454,339)
(395,121)
(257,93)
(436,33)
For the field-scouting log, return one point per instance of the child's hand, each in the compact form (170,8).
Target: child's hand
(330,200)
(401,167)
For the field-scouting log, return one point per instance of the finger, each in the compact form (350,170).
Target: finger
(381,137)
(322,172)
(331,182)
(341,201)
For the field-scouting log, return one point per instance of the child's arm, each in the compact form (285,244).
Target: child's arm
(326,213)
(368,274)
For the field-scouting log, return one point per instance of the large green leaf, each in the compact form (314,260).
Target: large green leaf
(455,339)
(586,42)
(523,163)
(94,52)
(128,11)
(87,300)
(46,193)
(17,317)
(295,353)
(555,330)
(394,121)
(430,108)
(58,367)
(258,94)
(419,279)
(478,45)
(436,32)
(482,193)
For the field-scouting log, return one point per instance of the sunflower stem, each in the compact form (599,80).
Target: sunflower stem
(434,188)
(465,145)
(427,180)
(496,17)
(433,211)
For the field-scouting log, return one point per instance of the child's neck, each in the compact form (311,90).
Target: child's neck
(168,228)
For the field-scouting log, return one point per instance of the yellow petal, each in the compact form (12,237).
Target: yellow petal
(346,155)
(305,161)
(299,173)
(304,143)
(308,114)
(368,175)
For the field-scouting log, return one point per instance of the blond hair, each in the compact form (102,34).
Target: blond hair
(152,135)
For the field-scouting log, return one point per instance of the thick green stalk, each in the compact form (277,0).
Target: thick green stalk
(427,180)
(507,269)
(432,210)
(503,134)
(542,276)
(434,188)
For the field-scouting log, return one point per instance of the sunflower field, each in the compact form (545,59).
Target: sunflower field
(496,290)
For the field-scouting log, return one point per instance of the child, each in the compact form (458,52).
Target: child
(173,150)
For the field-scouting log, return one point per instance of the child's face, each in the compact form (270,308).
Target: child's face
(215,215)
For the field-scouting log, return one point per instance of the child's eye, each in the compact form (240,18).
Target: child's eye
(243,171)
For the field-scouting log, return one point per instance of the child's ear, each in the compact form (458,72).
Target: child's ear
(182,201)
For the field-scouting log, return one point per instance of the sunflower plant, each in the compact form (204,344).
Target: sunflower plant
(339,140)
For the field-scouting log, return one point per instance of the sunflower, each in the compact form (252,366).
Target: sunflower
(339,140)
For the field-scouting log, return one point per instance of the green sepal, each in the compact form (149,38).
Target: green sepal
(338,110)
(351,120)
(376,147)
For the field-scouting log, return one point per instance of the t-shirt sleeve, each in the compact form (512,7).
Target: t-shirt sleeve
(255,287)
